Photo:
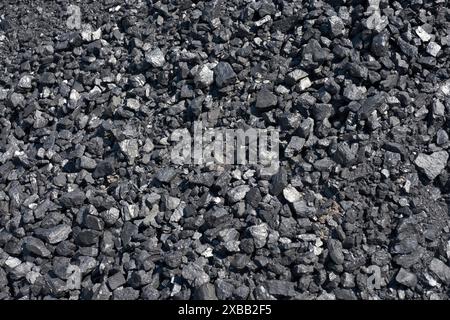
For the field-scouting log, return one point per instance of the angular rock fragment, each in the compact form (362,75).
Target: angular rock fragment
(194,275)
(354,93)
(423,35)
(335,251)
(238,193)
(165,175)
(259,234)
(224,74)
(278,182)
(110,216)
(130,148)
(104,168)
(155,57)
(441,270)
(265,99)
(125,293)
(433,164)
(295,146)
(280,288)
(380,44)
(336,26)
(433,48)
(345,155)
(72,199)
(87,237)
(205,292)
(291,194)
(294,76)
(115,281)
(36,247)
(204,77)
(25,82)
(55,234)
(407,48)
(406,278)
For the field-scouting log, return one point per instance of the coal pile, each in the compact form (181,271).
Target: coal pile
(93,207)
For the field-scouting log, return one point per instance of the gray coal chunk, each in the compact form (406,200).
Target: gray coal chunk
(87,237)
(278,182)
(294,76)
(238,193)
(54,234)
(441,270)
(170,203)
(303,210)
(16,99)
(115,281)
(325,164)
(101,292)
(265,99)
(280,288)
(104,168)
(4,280)
(36,246)
(240,261)
(204,77)
(224,289)
(433,49)
(205,292)
(407,48)
(47,78)
(110,216)
(380,44)
(336,26)
(72,199)
(344,294)
(432,165)
(155,57)
(173,260)
(335,251)
(165,174)
(25,82)
(371,104)
(87,163)
(224,74)
(133,104)
(321,111)
(253,197)
(93,222)
(345,155)
(353,92)
(441,137)
(216,216)
(357,70)
(291,194)
(295,146)
(150,293)
(194,275)
(406,278)
(259,234)
(130,148)
(125,293)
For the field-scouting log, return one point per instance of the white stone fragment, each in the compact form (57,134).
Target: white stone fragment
(433,48)
(423,35)
(291,194)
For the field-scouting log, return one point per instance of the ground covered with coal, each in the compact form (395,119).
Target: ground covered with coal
(91,206)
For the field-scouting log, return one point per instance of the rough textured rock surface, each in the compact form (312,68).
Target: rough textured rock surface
(91,207)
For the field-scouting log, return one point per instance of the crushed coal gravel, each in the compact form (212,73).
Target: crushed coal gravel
(92,207)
